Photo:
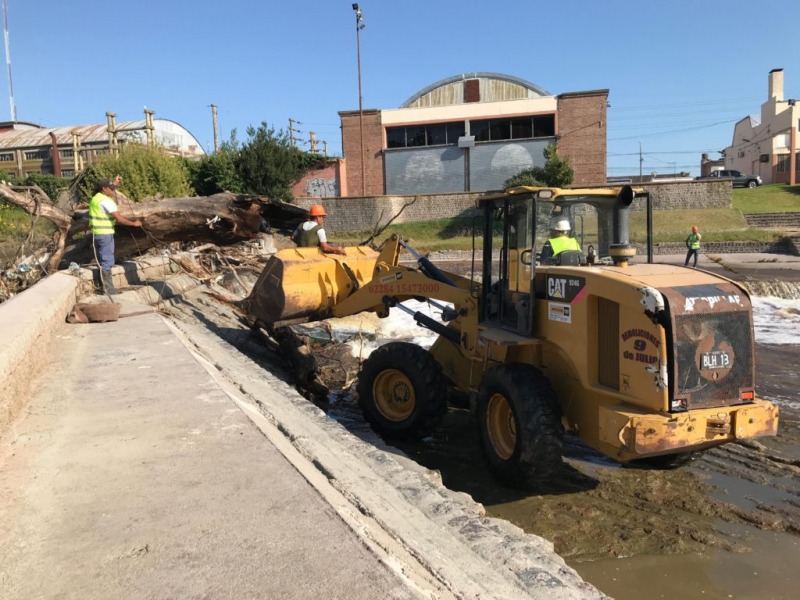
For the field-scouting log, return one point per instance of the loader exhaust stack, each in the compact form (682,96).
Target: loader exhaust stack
(621,250)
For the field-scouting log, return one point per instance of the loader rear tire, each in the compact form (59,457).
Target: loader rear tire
(519,421)
(401,391)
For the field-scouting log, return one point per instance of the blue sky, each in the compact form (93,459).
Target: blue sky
(680,73)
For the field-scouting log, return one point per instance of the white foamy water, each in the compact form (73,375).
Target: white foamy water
(399,326)
(775,320)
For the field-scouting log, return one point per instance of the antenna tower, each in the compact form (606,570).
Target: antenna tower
(8,62)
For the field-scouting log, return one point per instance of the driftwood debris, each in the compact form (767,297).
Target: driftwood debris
(221,219)
(35,202)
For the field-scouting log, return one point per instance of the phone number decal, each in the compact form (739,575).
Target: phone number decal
(403,288)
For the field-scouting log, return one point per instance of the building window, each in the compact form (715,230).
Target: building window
(435,134)
(37,155)
(67,172)
(7,157)
(783,163)
(66,153)
(520,128)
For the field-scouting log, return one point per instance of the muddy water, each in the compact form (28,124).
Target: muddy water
(714,529)
(726,526)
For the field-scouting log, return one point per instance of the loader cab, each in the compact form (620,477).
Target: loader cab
(517,225)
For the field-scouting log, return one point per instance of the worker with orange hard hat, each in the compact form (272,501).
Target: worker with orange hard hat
(311,233)
(693,246)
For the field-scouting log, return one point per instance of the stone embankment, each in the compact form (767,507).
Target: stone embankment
(784,221)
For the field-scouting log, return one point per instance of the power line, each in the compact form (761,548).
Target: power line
(641,135)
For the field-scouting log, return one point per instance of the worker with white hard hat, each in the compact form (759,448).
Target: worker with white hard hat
(560,239)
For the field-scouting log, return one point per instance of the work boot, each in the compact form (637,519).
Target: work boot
(108,282)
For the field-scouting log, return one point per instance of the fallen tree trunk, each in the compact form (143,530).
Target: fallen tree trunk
(221,219)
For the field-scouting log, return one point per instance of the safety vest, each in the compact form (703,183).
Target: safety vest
(563,242)
(308,238)
(693,241)
(101,221)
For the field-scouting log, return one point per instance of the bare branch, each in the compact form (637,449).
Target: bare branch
(378,231)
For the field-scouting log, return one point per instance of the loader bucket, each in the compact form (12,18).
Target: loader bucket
(302,284)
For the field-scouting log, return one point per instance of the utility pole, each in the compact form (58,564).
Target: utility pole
(325,148)
(641,160)
(111,127)
(312,142)
(293,131)
(214,123)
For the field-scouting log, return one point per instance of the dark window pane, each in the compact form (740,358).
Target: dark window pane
(521,128)
(480,129)
(395,137)
(500,130)
(415,136)
(437,135)
(455,131)
(544,126)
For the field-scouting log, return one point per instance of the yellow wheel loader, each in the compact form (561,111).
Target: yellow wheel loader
(641,360)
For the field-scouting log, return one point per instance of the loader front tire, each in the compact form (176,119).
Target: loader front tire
(401,391)
(519,421)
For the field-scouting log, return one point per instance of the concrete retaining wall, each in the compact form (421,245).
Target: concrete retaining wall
(29,322)
(362,214)
(785,246)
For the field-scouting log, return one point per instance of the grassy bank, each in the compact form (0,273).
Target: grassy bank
(775,197)
(716,225)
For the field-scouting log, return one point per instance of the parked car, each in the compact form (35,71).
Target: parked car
(738,179)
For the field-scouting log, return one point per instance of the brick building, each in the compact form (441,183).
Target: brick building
(471,133)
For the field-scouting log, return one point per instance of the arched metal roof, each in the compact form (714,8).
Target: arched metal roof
(534,89)
(167,132)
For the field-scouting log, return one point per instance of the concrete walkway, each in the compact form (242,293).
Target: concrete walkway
(135,476)
(149,460)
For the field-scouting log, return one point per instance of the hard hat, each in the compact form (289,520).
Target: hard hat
(317,210)
(559,224)
(694,228)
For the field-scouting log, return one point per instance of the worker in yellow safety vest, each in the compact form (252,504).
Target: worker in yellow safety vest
(103,213)
(559,241)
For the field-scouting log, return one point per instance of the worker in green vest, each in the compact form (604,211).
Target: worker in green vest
(693,246)
(559,240)
(103,214)
(311,234)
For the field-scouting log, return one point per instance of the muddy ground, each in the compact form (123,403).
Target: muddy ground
(598,509)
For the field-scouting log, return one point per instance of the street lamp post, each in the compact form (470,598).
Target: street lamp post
(359,26)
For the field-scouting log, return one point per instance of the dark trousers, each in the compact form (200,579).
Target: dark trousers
(692,251)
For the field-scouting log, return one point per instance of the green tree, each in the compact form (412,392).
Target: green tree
(533,177)
(147,172)
(557,172)
(50,184)
(216,172)
(268,164)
